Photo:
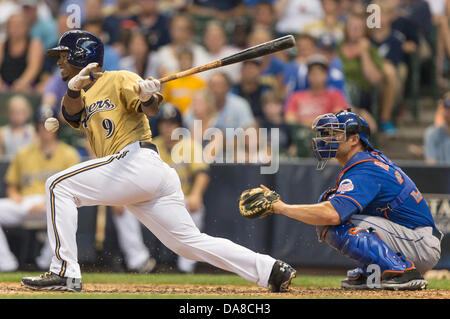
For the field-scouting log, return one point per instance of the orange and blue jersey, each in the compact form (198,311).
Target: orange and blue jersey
(371,184)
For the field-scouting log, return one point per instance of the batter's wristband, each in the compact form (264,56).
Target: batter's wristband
(76,118)
(73,94)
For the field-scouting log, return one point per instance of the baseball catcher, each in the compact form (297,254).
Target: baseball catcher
(374,215)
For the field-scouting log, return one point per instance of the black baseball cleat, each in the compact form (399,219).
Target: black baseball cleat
(407,280)
(356,279)
(281,276)
(52,281)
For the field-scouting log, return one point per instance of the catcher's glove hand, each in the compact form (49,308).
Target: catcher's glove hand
(257,202)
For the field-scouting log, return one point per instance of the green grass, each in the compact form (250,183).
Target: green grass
(197,279)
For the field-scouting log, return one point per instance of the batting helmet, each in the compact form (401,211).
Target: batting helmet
(83,47)
(331,129)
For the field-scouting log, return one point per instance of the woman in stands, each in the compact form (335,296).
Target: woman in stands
(21,56)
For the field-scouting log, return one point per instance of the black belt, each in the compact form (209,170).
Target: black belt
(149,145)
(436,233)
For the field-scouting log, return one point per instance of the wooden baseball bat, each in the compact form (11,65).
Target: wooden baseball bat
(256,51)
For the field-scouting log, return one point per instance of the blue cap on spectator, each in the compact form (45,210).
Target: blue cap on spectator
(447,103)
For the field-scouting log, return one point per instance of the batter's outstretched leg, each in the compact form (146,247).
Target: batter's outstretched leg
(168,219)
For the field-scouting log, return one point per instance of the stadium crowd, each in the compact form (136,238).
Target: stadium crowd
(342,59)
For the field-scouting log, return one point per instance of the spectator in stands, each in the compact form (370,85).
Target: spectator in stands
(217,47)
(273,64)
(440,10)
(273,118)
(218,10)
(171,7)
(94,10)
(25,179)
(315,98)
(123,11)
(294,15)
(303,107)
(203,108)
(363,66)
(138,58)
(437,138)
(389,46)
(49,63)
(18,132)
(45,29)
(328,47)
(405,29)
(153,24)
(250,87)
(419,12)
(181,33)
(295,73)
(329,24)
(111,57)
(264,16)
(241,30)
(233,111)
(185,155)
(21,56)
(179,92)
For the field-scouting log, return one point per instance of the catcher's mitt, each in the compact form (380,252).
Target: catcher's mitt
(256,202)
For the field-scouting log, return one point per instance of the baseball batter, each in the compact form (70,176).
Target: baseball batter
(374,215)
(128,172)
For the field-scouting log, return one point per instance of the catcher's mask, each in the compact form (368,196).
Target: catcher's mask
(332,129)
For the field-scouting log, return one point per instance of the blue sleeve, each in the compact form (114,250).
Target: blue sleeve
(354,193)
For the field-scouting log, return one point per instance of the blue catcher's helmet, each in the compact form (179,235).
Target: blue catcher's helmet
(83,47)
(332,129)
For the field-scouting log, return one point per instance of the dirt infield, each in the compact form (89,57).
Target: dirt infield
(11,289)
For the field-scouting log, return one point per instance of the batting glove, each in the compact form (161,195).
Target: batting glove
(147,88)
(85,77)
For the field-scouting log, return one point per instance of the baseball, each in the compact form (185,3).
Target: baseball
(51,124)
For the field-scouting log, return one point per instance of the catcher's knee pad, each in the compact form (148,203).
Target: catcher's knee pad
(366,247)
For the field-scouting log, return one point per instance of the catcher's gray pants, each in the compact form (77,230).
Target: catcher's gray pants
(138,179)
(419,245)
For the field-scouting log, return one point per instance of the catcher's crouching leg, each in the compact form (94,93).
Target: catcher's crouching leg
(367,248)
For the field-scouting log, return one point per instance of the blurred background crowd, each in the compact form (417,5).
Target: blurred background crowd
(389,64)
(381,66)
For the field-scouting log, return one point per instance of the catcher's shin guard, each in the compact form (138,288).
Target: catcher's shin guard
(366,247)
